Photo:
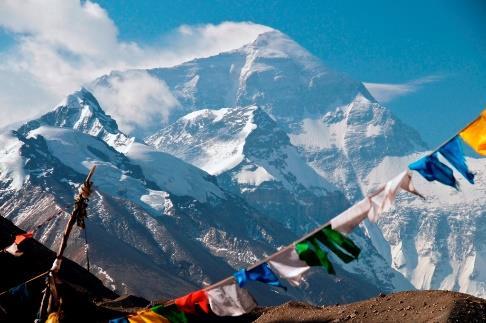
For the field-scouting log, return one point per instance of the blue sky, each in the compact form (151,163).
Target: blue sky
(431,55)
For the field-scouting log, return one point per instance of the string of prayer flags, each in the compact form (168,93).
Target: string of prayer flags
(475,134)
(287,264)
(119,320)
(230,300)
(172,314)
(261,273)
(311,253)
(452,151)
(352,217)
(189,303)
(433,170)
(383,199)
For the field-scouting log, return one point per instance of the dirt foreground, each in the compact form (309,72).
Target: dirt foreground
(412,306)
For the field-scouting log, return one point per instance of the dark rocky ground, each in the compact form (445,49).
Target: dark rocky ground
(87,300)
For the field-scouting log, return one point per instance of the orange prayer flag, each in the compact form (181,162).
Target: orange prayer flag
(21,237)
(475,134)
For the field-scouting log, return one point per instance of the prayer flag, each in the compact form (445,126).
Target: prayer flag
(188,303)
(21,237)
(119,320)
(230,300)
(173,315)
(21,293)
(261,273)
(341,246)
(452,151)
(352,217)
(53,318)
(147,316)
(13,249)
(310,252)
(433,170)
(475,134)
(383,199)
(288,265)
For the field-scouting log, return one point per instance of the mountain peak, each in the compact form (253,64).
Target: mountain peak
(275,44)
(82,112)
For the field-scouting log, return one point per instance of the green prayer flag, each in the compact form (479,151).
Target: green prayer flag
(173,315)
(310,252)
(342,246)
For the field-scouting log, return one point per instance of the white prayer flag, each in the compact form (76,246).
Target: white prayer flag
(382,200)
(13,249)
(288,265)
(230,300)
(352,217)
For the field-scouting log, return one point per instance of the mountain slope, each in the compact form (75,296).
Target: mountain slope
(253,157)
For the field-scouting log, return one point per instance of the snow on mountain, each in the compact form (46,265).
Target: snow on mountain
(253,157)
(158,227)
(81,111)
(273,72)
(437,243)
(343,145)
(166,250)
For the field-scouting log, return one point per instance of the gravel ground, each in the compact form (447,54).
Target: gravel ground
(413,306)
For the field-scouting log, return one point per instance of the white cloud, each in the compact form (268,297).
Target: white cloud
(62,44)
(386,92)
(137,99)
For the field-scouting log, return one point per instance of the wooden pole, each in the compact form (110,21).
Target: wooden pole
(77,215)
(78,205)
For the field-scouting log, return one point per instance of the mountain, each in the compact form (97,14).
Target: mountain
(158,227)
(253,157)
(81,111)
(341,132)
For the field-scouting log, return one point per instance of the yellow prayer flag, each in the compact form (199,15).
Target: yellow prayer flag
(53,318)
(475,134)
(147,316)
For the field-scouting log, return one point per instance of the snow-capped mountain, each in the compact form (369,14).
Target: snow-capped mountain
(253,157)
(158,227)
(81,111)
(271,132)
(343,134)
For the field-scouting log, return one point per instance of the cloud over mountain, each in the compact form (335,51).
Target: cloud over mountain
(72,42)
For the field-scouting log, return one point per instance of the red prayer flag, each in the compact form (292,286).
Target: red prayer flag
(187,304)
(21,237)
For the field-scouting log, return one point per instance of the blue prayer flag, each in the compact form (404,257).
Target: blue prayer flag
(433,170)
(262,273)
(452,151)
(21,293)
(119,320)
